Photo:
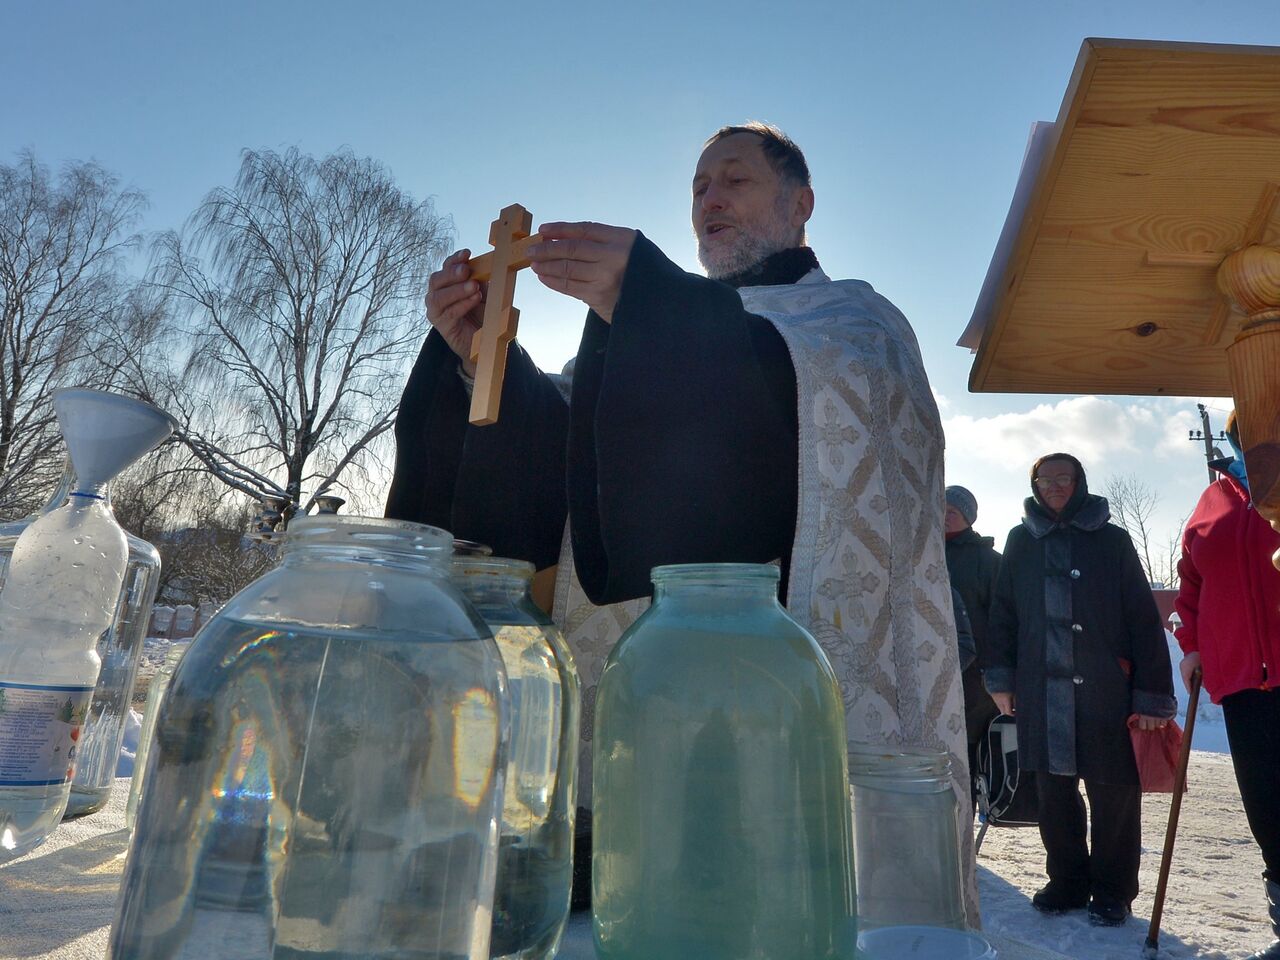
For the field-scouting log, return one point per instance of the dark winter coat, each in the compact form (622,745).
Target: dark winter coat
(973,563)
(1229,596)
(1071,607)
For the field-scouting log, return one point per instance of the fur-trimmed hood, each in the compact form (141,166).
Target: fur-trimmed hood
(1092,514)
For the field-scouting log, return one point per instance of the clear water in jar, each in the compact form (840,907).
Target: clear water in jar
(318,795)
(535,853)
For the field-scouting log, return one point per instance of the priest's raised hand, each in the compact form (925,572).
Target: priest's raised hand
(585,261)
(455,306)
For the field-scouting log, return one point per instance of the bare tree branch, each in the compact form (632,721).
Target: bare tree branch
(1133,503)
(300,290)
(61,244)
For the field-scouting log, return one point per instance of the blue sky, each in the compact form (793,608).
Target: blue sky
(913,116)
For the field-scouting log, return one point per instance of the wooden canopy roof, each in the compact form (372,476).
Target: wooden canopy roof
(1165,157)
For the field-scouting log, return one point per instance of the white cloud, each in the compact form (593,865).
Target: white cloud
(1094,429)
(1145,437)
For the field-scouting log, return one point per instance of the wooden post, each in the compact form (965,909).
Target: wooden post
(510,238)
(1251,278)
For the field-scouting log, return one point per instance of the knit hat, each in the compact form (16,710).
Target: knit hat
(964,501)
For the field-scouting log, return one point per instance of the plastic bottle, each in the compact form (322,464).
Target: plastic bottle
(155,696)
(59,597)
(120,650)
(721,798)
(326,775)
(535,852)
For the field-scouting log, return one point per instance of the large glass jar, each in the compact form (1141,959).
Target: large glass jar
(721,798)
(535,851)
(326,776)
(120,649)
(905,842)
(146,733)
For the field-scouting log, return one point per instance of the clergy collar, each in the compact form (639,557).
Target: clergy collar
(785,266)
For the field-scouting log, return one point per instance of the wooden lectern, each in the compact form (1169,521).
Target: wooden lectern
(1142,254)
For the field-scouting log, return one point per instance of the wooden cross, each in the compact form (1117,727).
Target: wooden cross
(511,241)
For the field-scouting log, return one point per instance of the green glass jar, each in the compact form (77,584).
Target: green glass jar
(721,797)
(535,851)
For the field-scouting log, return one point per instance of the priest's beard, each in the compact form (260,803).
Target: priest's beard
(752,243)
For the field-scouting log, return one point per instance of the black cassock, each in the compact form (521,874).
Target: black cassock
(679,444)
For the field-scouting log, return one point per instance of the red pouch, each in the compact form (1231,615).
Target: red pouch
(1157,753)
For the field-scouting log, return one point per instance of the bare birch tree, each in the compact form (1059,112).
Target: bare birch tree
(300,293)
(1133,503)
(61,245)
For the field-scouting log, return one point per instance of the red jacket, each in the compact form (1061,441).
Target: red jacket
(1229,599)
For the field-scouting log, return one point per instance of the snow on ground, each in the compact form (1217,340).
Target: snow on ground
(1214,909)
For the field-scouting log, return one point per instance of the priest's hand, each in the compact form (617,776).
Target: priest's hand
(455,306)
(585,261)
(1004,703)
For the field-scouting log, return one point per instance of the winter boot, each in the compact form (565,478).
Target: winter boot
(1273,912)
(1059,896)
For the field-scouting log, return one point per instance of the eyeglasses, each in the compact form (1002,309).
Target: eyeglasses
(1044,483)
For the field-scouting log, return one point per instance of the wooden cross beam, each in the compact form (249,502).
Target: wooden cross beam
(509,236)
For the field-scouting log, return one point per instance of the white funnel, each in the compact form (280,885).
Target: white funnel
(106,432)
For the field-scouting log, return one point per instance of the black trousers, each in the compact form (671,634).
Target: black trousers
(1107,865)
(1253,730)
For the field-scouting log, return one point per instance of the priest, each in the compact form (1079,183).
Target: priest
(760,413)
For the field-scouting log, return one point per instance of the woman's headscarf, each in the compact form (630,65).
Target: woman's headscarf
(1078,495)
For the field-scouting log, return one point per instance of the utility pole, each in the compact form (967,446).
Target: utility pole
(1206,434)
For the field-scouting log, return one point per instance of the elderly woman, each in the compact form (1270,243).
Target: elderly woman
(1229,603)
(1074,646)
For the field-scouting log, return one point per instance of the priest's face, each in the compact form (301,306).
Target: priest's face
(742,210)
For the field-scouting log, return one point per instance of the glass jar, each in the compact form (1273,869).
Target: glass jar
(535,850)
(905,840)
(326,777)
(721,798)
(120,650)
(155,696)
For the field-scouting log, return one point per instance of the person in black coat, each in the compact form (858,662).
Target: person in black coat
(973,563)
(1075,645)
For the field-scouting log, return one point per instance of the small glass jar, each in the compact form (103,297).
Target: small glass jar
(155,696)
(535,851)
(721,795)
(326,777)
(121,651)
(905,841)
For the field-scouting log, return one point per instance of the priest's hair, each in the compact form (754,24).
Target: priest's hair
(780,150)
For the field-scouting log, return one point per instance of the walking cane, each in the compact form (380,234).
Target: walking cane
(1151,949)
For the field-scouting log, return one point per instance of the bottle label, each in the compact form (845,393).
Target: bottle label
(40,732)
